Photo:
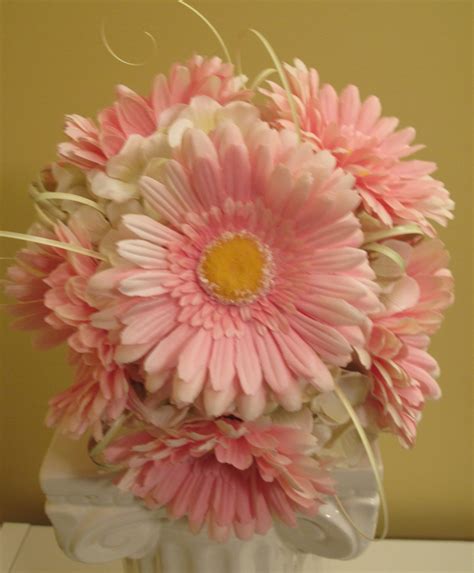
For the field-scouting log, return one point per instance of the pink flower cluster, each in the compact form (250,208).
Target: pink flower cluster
(224,473)
(214,264)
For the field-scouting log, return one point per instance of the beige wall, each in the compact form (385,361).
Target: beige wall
(414,55)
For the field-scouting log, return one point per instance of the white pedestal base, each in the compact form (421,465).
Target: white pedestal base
(95,522)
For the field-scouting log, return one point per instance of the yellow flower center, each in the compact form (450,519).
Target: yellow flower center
(236,268)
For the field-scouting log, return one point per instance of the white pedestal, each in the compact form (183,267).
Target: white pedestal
(94,522)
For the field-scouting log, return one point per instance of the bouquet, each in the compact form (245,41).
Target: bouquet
(247,277)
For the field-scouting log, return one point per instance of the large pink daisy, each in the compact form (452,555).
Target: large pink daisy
(91,146)
(224,473)
(251,280)
(403,373)
(366,145)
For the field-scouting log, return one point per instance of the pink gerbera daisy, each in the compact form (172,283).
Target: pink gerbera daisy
(366,145)
(251,280)
(49,284)
(224,473)
(66,296)
(403,373)
(100,391)
(91,146)
(403,377)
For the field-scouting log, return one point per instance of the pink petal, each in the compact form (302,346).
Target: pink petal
(151,327)
(369,113)
(218,402)
(161,95)
(165,354)
(207,178)
(328,100)
(143,253)
(145,283)
(185,392)
(178,182)
(274,368)
(326,341)
(302,359)
(135,116)
(234,452)
(221,366)
(162,200)
(150,230)
(194,358)
(251,406)
(404,295)
(349,105)
(247,363)
(339,259)
(331,311)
